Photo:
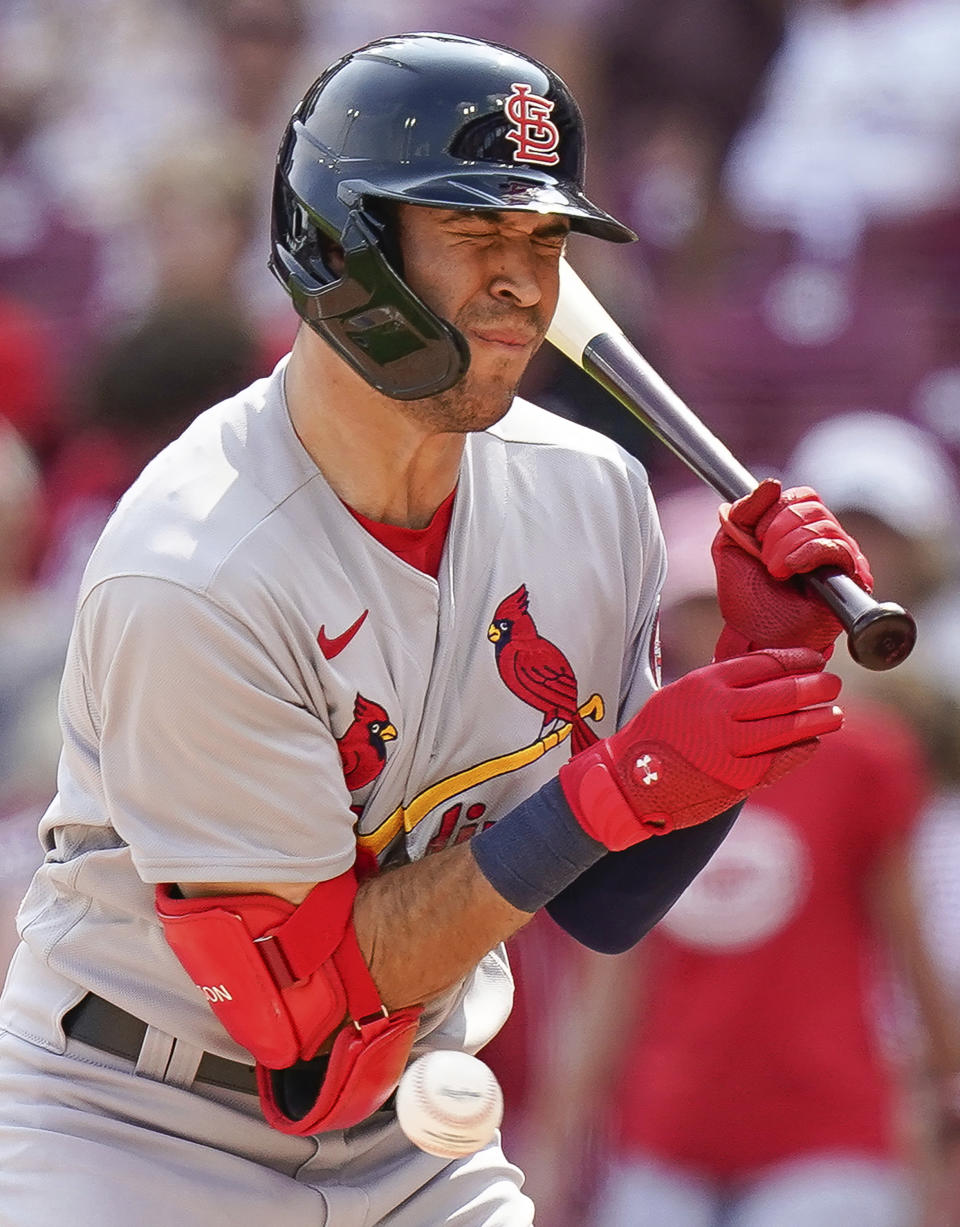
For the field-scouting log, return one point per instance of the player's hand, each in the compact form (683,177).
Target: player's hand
(766,538)
(701,744)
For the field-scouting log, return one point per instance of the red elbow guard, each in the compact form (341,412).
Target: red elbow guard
(282,979)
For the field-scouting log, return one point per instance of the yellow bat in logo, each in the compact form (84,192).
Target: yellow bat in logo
(405,818)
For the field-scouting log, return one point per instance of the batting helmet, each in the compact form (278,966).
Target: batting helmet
(428,119)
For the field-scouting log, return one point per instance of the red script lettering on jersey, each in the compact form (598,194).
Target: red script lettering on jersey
(333,647)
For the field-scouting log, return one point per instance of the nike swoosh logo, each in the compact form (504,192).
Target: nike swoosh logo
(333,647)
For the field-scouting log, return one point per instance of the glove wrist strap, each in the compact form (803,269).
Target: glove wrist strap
(592,792)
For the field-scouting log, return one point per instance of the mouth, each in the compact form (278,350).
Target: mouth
(504,338)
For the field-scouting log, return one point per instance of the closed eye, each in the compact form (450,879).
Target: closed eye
(472,235)
(551,242)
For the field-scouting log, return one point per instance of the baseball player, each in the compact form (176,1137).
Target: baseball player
(331,655)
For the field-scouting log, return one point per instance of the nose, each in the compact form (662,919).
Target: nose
(516,277)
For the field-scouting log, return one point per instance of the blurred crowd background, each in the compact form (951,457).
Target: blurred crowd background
(784,1047)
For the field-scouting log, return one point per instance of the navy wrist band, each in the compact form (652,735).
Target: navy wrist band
(536,850)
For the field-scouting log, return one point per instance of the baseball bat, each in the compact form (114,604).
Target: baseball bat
(879,634)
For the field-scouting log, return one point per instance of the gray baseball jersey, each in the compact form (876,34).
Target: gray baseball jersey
(230,618)
(240,643)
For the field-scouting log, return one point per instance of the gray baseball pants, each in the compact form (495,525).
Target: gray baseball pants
(92,1140)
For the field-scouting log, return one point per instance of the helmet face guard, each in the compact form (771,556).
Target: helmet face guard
(426,119)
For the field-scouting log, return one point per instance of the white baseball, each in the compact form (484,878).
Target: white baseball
(449,1103)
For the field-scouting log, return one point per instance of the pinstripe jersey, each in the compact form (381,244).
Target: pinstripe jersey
(256,687)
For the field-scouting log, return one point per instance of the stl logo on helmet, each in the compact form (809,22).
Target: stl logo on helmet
(535,135)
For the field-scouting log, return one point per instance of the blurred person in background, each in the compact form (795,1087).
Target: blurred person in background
(900,489)
(738,1065)
(936,865)
(145,387)
(198,219)
(676,83)
(33,639)
(33,633)
(88,88)
(130,80)
(823,273)
(49,263)
(259,55)
(900,492)
(198,215)
(258,45)
(860,122)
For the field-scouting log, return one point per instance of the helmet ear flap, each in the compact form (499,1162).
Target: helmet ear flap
(365,310)
(385,216)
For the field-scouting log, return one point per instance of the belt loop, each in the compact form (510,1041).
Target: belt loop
(154,1054)
(184,1062)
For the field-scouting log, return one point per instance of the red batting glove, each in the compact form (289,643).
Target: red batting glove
(701,744)
(765,538)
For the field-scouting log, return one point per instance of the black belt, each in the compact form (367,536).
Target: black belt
(101,1025)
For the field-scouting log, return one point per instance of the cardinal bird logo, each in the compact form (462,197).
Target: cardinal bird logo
(363,749)
(535,669)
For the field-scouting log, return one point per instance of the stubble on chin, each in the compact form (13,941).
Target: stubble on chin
(470,405)
(481,398)
(476,402)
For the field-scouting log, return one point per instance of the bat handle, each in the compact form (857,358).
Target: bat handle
(879,634)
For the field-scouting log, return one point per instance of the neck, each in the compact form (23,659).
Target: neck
(380,460)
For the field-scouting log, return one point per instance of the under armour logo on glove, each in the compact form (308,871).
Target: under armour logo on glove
(536,136)
(647,769)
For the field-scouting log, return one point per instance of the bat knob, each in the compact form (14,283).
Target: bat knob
(882,636)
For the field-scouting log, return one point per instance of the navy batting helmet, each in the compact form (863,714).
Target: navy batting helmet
(427,119)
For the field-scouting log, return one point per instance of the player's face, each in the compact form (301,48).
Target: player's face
(495,275)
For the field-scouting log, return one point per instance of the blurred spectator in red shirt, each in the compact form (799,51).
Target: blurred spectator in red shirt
(28,382)
(736,1066)
(49,263)
(34,627)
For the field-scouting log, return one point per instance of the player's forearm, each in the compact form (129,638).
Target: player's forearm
(424,926)
(421,927)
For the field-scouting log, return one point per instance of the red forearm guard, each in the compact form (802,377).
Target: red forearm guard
(282,979)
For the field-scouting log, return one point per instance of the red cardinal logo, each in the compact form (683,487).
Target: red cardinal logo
(363,749)
(535,669)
